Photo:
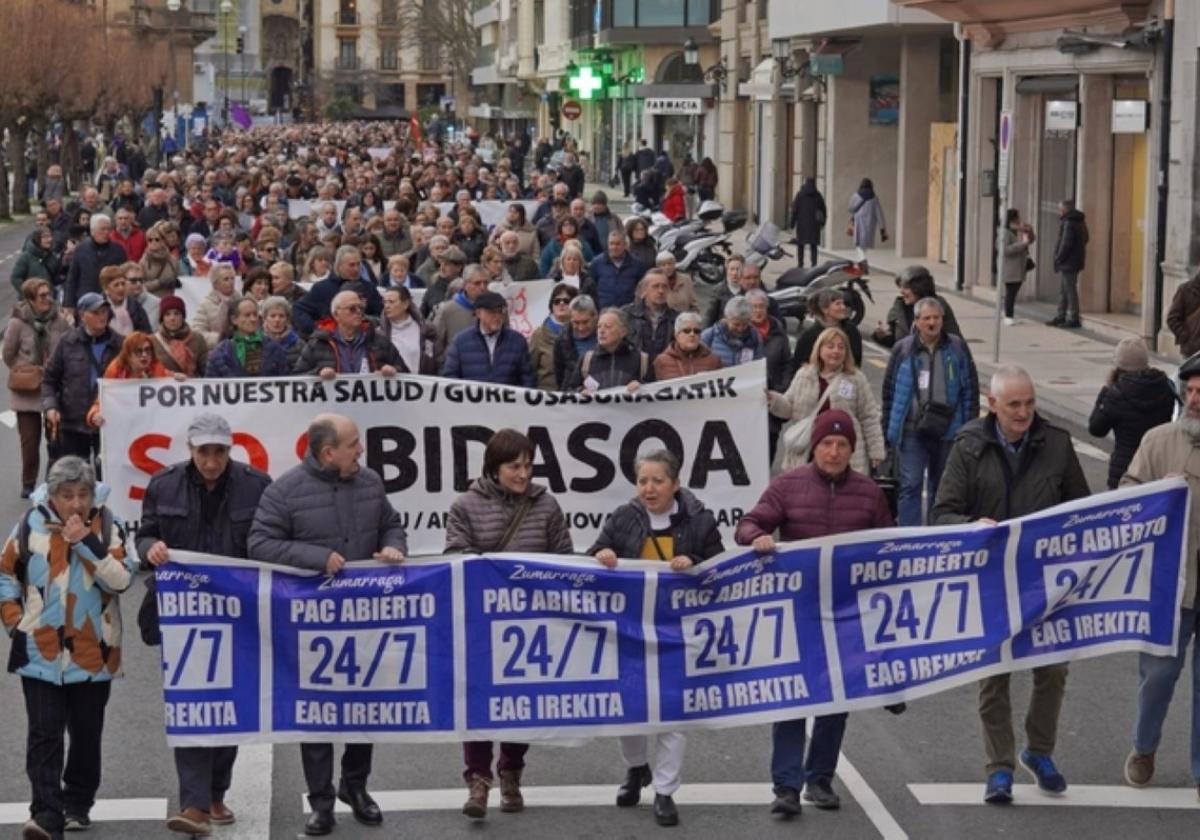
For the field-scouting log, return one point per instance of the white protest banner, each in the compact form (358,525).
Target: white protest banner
(425,436)
(491,212)
(192,290)
(379,152)
(528,303)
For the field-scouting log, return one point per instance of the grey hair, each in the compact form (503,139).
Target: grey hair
(70,469)
(1006,374)
(472,270)
(669,462)
(664,257)
(321,433)
(329,204)
(456,285)
(616,234)
(344,295)
(924,303)
(220,268)
(276,302)
(96,219)
(436,239)
(622,316)
(737,307)
(583,303)
(342,253)
(756,295)
(685,318)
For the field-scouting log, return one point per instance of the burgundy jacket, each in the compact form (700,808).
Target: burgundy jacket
(805,503)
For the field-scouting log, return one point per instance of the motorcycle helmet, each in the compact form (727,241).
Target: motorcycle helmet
(710,210)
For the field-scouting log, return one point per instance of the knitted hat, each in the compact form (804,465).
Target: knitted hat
(171,303)
(832,422)
(1131,354)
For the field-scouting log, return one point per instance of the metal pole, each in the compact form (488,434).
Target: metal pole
(1164,165)
(225,100)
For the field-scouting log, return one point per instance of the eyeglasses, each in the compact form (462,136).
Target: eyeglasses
(354,307)
(143,351)
(689,331)
(557,301)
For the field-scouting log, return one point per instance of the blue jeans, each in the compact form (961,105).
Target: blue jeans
(921,464)
(1157,676)
(788,766)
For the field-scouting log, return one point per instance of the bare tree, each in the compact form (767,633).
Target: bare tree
(447,22)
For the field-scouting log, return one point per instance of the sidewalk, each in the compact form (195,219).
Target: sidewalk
(1068,366)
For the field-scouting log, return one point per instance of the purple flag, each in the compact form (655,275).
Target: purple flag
(239,115)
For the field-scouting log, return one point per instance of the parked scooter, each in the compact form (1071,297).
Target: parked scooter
(702,252)
(797,285)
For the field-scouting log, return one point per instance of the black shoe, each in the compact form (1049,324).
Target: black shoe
(897,708)
(821,794)
(365,809)
(77,822)
(665,812)
(787,802)
(1074,324)
(320,823)
(1056,321)
(630,793)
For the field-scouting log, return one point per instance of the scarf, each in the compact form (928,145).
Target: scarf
(176,344)
(465,302)
(552,325)
(41,334)
(763,329)
(241,341)
(866,193)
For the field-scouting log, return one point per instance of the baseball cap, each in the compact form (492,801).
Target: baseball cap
(90,302)
(209,428)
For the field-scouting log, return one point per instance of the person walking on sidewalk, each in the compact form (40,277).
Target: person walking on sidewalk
(1015,239)
(1183,318)
(808,220)
(1170,449)
(914,283)
(930,391)
(1134,400)
(1008,464)
(866,220)
(1070,256)
(818,499)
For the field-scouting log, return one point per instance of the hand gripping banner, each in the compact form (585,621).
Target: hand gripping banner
(528,647)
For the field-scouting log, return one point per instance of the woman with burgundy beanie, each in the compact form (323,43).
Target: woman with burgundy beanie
(178,347)
(817,499)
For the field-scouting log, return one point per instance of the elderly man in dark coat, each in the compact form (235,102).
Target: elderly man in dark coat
(319,515)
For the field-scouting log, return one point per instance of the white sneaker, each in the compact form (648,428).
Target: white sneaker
(1009,322)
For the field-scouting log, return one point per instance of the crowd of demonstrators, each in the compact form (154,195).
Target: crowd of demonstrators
(333,291)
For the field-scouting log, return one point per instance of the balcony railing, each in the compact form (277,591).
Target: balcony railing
(389,62)
(345,18)
(389,17)
(347,63)
(431,57)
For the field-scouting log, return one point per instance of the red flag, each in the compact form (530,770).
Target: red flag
(414,128)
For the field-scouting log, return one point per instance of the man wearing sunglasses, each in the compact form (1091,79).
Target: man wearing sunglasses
(346,342)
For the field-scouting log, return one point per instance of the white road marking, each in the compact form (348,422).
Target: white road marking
(8,418)
(1089,451)
(1089,796)
(250,793)
(871,804)
(105,810)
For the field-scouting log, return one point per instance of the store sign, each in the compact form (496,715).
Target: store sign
(1130,116)
(1062,115)
(664,105)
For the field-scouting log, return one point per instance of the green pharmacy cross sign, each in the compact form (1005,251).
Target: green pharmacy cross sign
(585,83)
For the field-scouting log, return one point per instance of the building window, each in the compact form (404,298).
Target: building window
(539,21)
(431,56)
(389,12)
(347,54)
(660,13)
(389,54)
(348,12)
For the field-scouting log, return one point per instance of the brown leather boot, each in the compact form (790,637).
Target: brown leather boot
(477,797)
(191,821)
(219,814)
(511,799)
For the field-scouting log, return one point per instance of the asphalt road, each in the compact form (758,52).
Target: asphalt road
(727,783)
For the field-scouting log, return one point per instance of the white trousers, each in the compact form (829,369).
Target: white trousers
(667,762)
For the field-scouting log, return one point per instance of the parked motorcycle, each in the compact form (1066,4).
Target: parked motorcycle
(702,252)
(796,286)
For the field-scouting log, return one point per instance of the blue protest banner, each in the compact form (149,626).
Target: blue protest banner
(553,645)
(370,650)
(1090,574)
(538,646)
(919,609)
(211,657)
(742,638)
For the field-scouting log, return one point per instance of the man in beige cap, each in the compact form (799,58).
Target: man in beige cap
(450,268)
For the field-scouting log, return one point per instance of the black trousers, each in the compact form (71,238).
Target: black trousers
(318,771)
(1010,298)
(84,444)
(77,709)
(812,251)
(205,774)
(626,180)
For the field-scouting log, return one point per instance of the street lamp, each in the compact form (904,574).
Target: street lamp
(226,8)
(173,7)
(719,72)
